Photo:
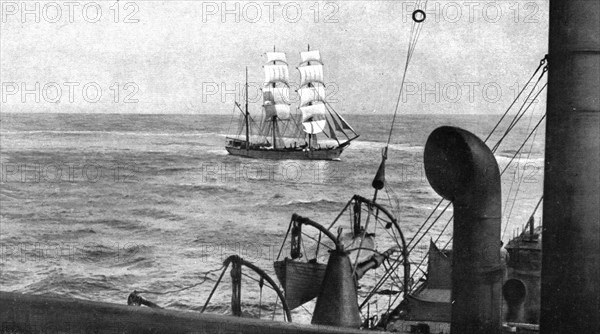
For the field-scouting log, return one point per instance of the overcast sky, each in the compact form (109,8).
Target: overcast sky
(190,56)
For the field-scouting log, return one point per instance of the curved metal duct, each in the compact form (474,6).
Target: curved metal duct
(462,169)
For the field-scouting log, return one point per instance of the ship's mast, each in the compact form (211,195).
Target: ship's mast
(247,115)
(310,136)
(570,294)
(274,118)
(276,104)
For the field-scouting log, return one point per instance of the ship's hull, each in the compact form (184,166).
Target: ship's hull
(288,154)
(22,313)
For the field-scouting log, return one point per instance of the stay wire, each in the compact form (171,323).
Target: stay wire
(415,32)
(507,220)
(487,138)
(512,184)
(515,121)
(542,63)
(514,156)
(521,112)
(184,288)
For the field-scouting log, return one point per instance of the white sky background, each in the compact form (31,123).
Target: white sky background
(178,52)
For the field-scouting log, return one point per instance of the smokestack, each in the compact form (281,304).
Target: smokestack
(462,169)
(571,232)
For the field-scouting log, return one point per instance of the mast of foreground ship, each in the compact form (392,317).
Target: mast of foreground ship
(276,99)
(247,115)
(570,297)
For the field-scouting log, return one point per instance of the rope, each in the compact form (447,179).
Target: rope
(275,308)
(513,123)
(307,311)
(521,112)
(231,120)
(426,220)
(534,211)
(261,283)
(285,238)
(513,157)
(542,63)
(520,182)
(182,289)
(214,288)
(430,226)
(362,240)
(522,145)
(258,281)
(414,38)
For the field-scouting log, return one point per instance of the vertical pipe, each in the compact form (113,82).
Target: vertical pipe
(571,235)
(462,169)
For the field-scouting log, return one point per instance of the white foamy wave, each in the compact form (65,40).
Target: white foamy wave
(218,152)
(503,161)
(374,145)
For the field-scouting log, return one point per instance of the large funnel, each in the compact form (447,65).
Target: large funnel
(570,297)
(337,304)
(462,169)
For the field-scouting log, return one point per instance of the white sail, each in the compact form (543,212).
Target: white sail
(313,112)
(310,74)
(276,56)
(276,73)
(314,127)
(282,111)
(311,56)
(311,94)
(276,95)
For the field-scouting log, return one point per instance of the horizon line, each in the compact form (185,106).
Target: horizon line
(219,114)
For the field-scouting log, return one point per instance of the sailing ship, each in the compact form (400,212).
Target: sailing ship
(461,168)
(279,134)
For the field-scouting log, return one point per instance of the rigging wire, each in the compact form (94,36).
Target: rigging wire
(534,210)
(514,156)
(511,126)
(231,120)
(205,278)
(521,178)
(542,63)
(521,111)
(513,123)
(414,38)
(397,264)
(517,177)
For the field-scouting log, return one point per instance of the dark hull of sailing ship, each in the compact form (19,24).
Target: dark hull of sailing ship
(290,153)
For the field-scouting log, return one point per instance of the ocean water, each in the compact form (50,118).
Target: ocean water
(97,206)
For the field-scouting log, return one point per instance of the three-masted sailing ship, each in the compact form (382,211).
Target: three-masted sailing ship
(281,134)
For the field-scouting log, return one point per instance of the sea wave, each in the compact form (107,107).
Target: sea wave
(371,145)
(311,202)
